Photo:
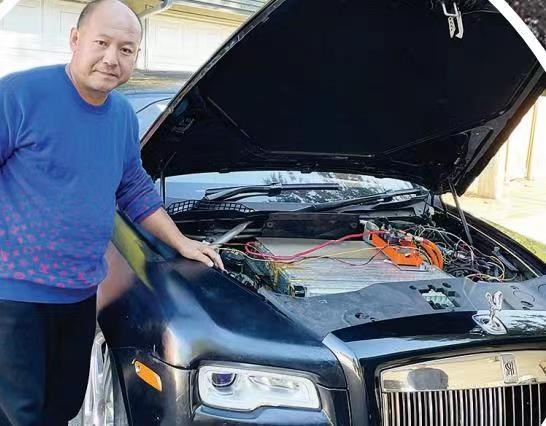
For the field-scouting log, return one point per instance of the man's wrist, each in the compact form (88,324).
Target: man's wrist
(182,242)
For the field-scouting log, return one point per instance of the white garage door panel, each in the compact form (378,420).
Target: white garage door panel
(167,35)
(183,44)
(59,18)
(22,27)
(36,33)
(16,60)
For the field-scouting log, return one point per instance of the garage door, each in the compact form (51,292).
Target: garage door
(36,32)
(183,44)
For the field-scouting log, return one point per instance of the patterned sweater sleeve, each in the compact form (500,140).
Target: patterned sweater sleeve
(136,195)
(10,121)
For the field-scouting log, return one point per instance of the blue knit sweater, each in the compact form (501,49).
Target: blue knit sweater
(64,164)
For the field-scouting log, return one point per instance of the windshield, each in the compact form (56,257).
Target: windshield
(147,107)
(148,114)
(193,187)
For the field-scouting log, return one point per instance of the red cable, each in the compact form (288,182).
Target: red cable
(250,246)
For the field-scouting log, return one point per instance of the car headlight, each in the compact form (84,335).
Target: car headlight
(247,389)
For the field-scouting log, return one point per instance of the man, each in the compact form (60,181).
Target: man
(69,152)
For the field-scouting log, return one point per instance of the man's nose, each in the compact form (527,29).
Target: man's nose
(110,57)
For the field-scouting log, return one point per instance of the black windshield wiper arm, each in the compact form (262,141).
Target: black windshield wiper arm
(271,190)
(368,199)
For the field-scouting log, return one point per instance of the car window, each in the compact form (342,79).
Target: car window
(148,107)
(193,186)
(147,115)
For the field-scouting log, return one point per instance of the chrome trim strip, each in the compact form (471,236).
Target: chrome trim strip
(398,416)
(531,398)
(491,406)
(440,398)
(461,406)
(470,404)
(467,372)
(539,405)
(353,376)
(513,400)
(420,409)
(449,408)
(522,404)
(414,405)
(503,405)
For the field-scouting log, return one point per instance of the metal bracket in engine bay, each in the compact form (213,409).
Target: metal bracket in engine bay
(461,213)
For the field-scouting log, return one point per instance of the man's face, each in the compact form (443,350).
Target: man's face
(104,49)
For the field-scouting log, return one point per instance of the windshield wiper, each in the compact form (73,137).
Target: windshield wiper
(271,190)
(368,199)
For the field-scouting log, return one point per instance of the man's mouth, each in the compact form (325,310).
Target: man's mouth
(109,74)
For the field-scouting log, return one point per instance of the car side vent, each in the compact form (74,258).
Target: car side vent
(184,206)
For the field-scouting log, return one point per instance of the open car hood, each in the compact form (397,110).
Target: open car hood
(375,87)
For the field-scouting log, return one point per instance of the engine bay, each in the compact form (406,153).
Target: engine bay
(318,254)
(326,267)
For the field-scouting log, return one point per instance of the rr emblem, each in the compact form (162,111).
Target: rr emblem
(509,368)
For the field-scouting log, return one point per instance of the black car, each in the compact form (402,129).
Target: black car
(312,151)
(149,93)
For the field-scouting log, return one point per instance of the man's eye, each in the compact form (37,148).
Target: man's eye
(127,51)
(101,43)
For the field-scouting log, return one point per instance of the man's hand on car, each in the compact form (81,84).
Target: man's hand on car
(160,224)
(201,252)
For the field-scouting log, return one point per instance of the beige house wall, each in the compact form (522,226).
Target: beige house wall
(523,156)
(517,149)
(538,154)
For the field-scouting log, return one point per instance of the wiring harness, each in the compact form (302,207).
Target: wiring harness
(413,246)
(463,260)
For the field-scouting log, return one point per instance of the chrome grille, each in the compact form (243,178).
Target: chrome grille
(502,406)
(471,390)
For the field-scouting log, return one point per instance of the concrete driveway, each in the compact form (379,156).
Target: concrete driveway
(521,210)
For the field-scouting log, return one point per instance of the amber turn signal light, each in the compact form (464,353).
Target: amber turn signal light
(148,375)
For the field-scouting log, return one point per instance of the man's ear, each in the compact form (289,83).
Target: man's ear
(74,39)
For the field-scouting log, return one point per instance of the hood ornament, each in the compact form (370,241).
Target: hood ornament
(495,303)
(488,321)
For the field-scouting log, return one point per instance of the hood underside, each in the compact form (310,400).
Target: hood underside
(375,87)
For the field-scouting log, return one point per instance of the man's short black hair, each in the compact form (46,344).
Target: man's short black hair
(91,6)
